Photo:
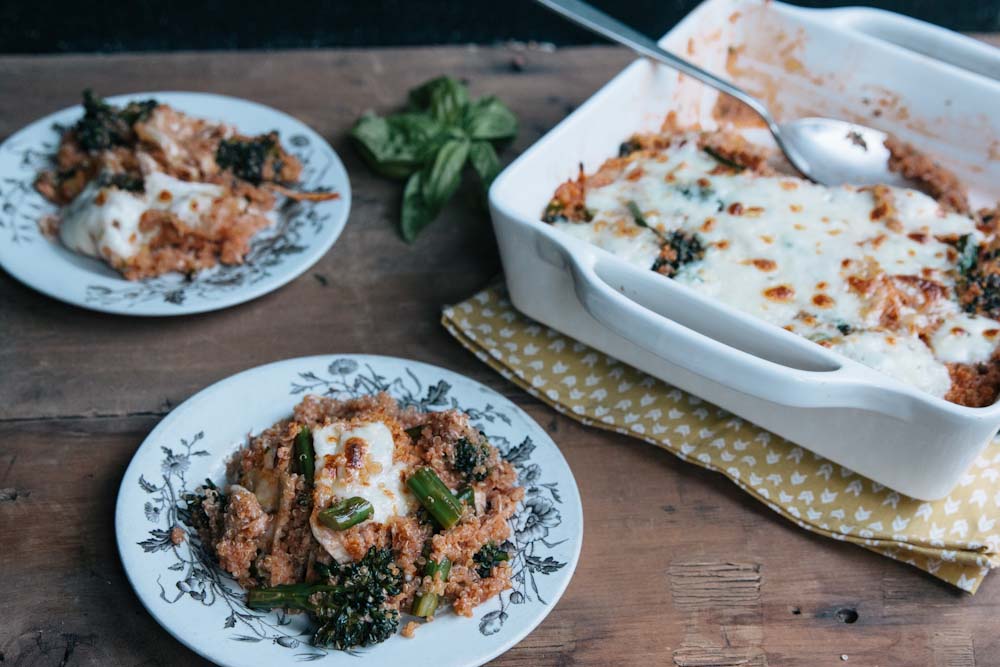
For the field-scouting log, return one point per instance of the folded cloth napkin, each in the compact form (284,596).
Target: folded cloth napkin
(955,539)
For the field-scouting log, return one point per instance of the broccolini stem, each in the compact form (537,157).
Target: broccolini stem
(640,219)
(287,596)
(426,604)
(436,498)
(304,456)
(346,513)
(723,159)
(467,495)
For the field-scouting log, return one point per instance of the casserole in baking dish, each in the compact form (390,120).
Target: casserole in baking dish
(847,63)
(889,277)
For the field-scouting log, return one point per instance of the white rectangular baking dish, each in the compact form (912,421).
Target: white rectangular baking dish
(923,83)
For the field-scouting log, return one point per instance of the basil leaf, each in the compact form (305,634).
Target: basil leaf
(488,118)
(444,97)
(416,214)
(485,161)
(429,143)
(398,145)
(445,173)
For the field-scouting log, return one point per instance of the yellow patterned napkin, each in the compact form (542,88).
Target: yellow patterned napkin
(955,539)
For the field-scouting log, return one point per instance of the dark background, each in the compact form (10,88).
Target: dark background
(58,27)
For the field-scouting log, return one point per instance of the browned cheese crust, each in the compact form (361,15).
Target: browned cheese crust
(934,179)
(974,385)
(734,152)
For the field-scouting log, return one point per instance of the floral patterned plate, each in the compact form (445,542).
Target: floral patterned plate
(301,235)
(204,608)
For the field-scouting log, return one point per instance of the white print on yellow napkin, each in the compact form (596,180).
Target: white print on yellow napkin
(956,539)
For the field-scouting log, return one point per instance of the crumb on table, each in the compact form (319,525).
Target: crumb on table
(410,629)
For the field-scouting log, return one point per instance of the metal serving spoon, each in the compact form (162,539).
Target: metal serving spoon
(824,150)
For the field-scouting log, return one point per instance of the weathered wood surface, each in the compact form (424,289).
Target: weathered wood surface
(678,566)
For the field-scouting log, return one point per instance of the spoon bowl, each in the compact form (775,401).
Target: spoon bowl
(824,150)
(837,152)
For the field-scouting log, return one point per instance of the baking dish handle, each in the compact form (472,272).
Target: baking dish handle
(920,37)
(848,386)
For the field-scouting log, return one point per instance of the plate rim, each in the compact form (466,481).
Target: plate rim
(176,413)
(309,258)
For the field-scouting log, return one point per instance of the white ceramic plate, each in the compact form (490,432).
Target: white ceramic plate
(204,608)
(299,238)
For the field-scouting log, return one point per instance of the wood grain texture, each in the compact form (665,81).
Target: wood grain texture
(380,295)
(678,567)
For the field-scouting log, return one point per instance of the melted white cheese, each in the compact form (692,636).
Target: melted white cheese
(107,229)
(189,201)
(966,338)
(905,358)
(380,481)
(104,221)
(808,238)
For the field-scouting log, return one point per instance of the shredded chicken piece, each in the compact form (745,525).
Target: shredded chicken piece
(244,523)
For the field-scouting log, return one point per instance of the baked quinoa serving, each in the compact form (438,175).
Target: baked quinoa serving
(150,190)
(904,281)
(356,511)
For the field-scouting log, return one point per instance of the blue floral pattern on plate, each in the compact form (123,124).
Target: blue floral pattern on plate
(188,575)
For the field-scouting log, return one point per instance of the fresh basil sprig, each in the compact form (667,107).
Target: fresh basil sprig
(429,143)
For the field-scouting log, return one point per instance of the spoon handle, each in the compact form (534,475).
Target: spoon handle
(597,21)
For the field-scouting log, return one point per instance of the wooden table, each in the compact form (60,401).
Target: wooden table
(678,566)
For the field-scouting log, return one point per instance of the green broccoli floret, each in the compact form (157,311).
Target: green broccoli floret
(246,158)
(351,608)
(555,212)
(679,248)
(978,283)
(194,514)
(489,557)
(131,182)
(104,126)
(472,459)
